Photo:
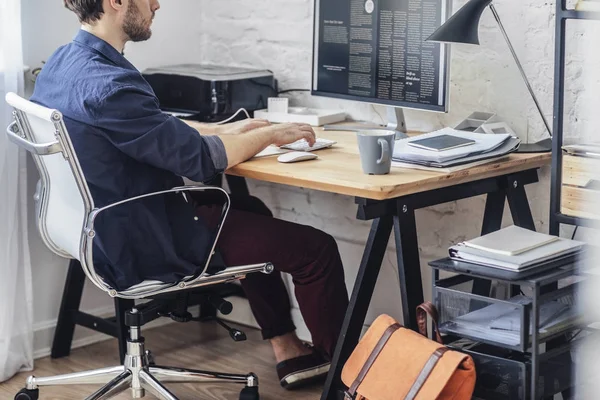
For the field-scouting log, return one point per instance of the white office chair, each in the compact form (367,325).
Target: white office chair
(65,218)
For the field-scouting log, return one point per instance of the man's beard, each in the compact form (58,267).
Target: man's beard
(134,26)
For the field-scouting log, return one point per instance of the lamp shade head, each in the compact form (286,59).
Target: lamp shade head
(463,26)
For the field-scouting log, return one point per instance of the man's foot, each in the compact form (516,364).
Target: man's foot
(288,346)
(300,371)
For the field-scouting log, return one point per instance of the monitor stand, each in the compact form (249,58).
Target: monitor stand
(396,122)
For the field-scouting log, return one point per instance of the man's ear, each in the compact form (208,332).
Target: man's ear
(115,4)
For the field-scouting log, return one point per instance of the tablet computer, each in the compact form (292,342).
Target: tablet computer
(441,142)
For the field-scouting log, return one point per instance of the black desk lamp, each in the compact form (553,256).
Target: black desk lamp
(463,27)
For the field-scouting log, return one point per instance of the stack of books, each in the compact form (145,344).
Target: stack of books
(514,249)
(448,149)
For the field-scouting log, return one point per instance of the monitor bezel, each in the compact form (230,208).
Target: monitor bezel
(373,100)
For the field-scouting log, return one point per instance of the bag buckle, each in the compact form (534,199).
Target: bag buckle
(348,396)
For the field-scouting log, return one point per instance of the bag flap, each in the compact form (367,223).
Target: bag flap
(399,364)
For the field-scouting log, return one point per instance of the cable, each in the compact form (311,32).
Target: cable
(273,90)
(233,116)
(574,233)
(293,90)
(377,112)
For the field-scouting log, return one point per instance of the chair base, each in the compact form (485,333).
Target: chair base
(139,375)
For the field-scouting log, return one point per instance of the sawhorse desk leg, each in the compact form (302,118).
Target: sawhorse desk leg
(359,301)
(403,216)
(409,267)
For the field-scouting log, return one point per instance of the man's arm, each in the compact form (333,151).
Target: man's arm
(257,135)
(231,128)
(130,118)
(203,128)
(240,148)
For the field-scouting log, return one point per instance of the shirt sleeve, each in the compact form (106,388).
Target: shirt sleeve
(132,121)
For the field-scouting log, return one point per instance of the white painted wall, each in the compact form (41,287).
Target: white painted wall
(277,34)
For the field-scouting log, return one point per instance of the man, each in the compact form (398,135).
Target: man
(127,146)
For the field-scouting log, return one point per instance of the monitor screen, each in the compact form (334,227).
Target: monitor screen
(375,51)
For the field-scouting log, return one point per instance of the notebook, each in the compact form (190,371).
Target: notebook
(510,241)
(441,142)
(550,251)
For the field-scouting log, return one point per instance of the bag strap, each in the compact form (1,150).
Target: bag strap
(425,372)
(425,309)
(351,393)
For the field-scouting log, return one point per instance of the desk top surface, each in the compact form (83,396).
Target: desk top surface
(338,170)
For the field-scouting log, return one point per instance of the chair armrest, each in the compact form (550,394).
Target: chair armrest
(88,235)
(42,149)
(227,275)
(94,214)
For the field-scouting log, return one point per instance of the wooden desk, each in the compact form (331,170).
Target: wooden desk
(390,201)
(338,170)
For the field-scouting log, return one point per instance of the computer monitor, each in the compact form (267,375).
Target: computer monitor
(374,51)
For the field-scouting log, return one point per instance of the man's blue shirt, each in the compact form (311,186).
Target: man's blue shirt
(127,147)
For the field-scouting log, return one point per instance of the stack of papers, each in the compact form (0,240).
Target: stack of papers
(514,249)
(501,323)
(486,147)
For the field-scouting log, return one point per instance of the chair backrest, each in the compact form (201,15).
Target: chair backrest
(65,210)
(63,200)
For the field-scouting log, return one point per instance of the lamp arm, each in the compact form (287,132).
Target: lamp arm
(512,50)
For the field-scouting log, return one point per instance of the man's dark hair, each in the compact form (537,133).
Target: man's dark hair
(87,11)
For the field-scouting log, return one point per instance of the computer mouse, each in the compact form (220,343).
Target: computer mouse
(295,156)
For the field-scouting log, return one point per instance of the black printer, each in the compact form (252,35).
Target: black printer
(210,93)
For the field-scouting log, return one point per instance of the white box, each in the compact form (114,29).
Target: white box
(311,116)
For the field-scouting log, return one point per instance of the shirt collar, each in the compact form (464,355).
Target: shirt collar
(90,40)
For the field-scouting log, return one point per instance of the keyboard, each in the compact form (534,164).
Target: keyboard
(302,145)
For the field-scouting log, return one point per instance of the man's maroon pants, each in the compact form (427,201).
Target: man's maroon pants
(251,235)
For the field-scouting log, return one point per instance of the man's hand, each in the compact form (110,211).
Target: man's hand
(282,134)
(240,148)
(243,126)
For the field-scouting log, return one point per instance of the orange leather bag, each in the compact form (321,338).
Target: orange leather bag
(392,363)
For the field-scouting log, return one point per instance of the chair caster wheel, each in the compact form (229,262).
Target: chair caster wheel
(26,394)
(249,393)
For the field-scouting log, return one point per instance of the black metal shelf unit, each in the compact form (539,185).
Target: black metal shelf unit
(512,364)
(562,16)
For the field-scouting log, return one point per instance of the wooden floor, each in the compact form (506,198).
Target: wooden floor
(189,345)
